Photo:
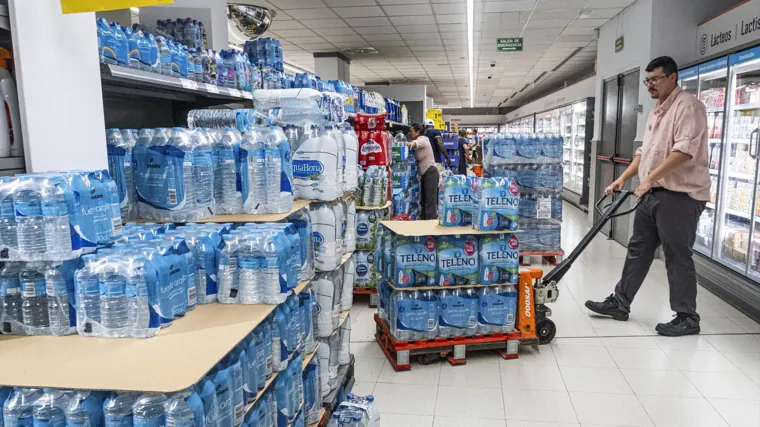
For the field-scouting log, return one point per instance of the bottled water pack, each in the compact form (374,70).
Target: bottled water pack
(496,203)
(458,262)
(266,170)
(56,217)
(414,261)
(455,203)
(329,224)
(301,106)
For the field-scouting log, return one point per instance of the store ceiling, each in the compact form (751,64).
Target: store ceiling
(425,41)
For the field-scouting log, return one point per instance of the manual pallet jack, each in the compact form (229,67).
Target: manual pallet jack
(536,290)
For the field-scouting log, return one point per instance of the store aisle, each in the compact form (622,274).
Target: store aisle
(597,373)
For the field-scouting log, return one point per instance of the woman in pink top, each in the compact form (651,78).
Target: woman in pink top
(426,169)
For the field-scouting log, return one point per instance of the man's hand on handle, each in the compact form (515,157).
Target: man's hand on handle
(618,184)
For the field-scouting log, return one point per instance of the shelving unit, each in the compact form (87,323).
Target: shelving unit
(175,359)
(243,218)
(431,227)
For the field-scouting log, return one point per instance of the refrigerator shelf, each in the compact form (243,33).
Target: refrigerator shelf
(714,141)
(715,110)
(753,106)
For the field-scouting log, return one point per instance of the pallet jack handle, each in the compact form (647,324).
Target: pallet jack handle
(606,212)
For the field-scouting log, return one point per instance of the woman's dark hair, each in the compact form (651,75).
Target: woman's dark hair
(667,64)
(462,133)
(417,127)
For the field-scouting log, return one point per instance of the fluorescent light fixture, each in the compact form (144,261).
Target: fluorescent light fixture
(470,48)
(135,10)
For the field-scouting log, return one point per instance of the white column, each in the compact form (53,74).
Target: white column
(58,79)
(332,66)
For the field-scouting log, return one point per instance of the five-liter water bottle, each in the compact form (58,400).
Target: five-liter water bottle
(85,409)
(50,408)
(148,410)
(178,412)
(19,408)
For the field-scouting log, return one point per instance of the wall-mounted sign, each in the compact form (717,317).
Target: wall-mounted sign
(729,30)
(437,116)
(619,44)
(512,44)
(77,6)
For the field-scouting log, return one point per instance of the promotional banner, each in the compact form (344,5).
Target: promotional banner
(77,6)
(730,29)
(437,116)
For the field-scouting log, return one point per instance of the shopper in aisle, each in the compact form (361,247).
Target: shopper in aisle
(427,170)
(436,142)
(463,147)
(672,166)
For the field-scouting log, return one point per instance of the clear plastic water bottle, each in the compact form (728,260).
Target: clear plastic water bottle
(203,175)
(180,140)
(79,412)
(165,56)
(148,410)
(18,409)
(57,301)
(50,409)
(137,292)
(254,143)
(117,409)
(114,302)
(34,307)
(115,216)
(30,224)
(10,300)
(251,263)
(271,274)
(178,412)
(8,236)
(88,296)
(228,269)
(282,175)
(228,200)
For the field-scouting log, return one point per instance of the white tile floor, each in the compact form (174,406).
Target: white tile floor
(597,373)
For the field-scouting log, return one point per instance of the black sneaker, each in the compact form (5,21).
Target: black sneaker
(608,307)
(677,327)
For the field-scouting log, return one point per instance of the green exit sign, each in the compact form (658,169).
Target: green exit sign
(512,44)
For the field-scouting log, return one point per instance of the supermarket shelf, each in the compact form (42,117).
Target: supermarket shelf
(374,208)
(714,140)
(740,140)
(734,212)
(431,227)
(754,106)
(744,176)
(126,80)
(715,110)
(238,218)
(175,359)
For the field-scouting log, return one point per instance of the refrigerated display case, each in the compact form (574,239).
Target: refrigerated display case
(709,82)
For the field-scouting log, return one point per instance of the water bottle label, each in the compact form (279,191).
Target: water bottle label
(250,262)
(30,208)
(458,312)
(457,260)
(499,259)
(56,288)
(172,422)
(150,422)
(416,261)
(160,176)
(9,287)
(113,288)
(497,309)
(33,288)
(543,207)
(18,422)
(118,420)
(417,315)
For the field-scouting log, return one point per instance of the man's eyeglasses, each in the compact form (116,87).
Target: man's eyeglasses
(654,80)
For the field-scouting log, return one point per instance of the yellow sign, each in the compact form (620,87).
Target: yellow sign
(77,6)
(455,126)
(436,115)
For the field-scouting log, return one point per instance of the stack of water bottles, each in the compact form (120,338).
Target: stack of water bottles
(393,109)
(488,204)
(334,291)
(371,102)
(356,411)
(301,106)
(265,55)
(351,93)
(187,31)
(241,119)
(405,181)
(437,263)
(331,222)
(219,399)
(334,354)
(534,161)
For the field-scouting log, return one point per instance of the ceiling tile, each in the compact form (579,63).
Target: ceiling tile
(410,10)
(595,4)
(450,8)
(561,4)
(296,4)
(286,25)
(413,20)
(343,3)
(550,15)
(378,21)
(306,40)
(509,6)
(588,23)
(378,37)
(345,31)
(323,23)
(387,43)
(534,25)
(602,13)
(391,2)
(577,31)
(287,34)
(411,29)
(319,13)
(451,19)
(359,12)
(345,39)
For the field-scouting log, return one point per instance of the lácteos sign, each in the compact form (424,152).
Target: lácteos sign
(729,30)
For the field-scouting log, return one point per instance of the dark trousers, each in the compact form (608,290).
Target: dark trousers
(429,184)
(669,219)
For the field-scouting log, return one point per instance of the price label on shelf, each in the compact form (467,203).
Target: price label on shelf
(235,92)
(247,95)
(211,88)
(543,207)
(189,84)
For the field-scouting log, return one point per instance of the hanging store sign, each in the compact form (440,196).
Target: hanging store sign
(77,6)
(512,44)
(436,115)
(730,29)
(619,44)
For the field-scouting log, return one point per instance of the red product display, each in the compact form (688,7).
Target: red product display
(374,140)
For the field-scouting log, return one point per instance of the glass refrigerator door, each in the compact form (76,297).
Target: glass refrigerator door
(738,173)
(566,131)
(711,84)
(579,145)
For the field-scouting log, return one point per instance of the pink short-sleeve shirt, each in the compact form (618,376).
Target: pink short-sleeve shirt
(678,124)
